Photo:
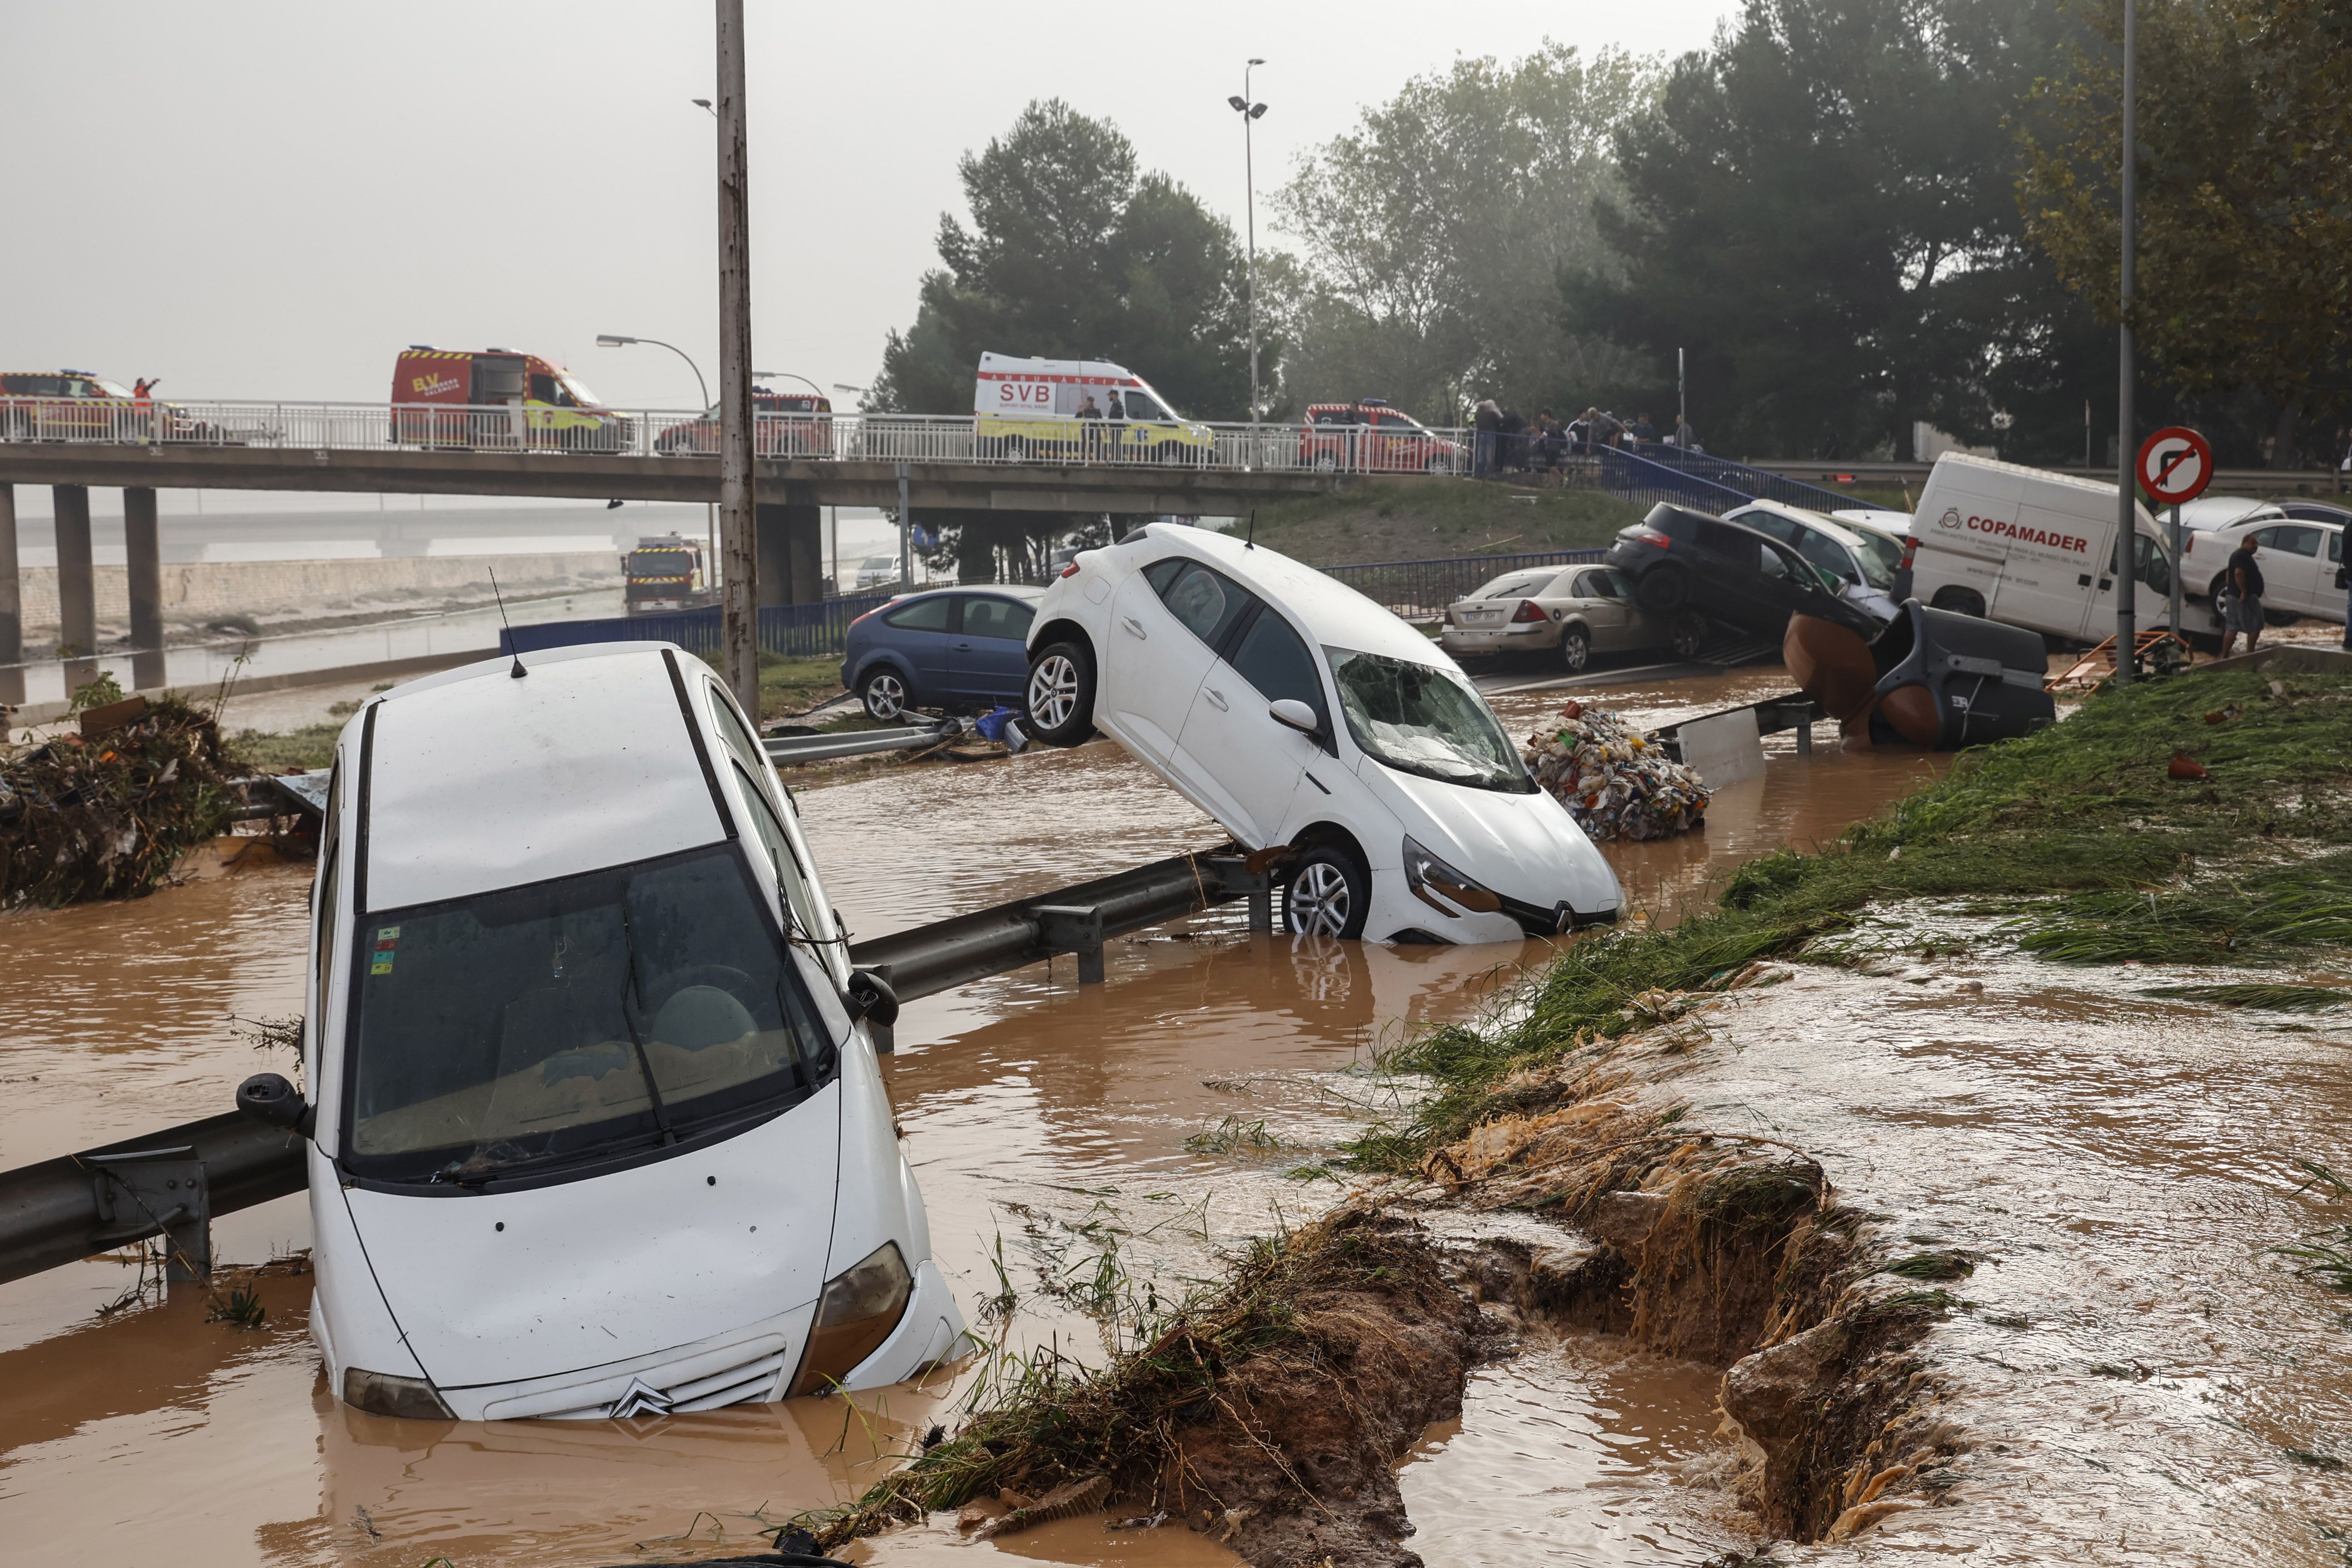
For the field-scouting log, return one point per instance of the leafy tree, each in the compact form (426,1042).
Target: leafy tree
(1433,233)
(1816,210)
(2244,223)
(1072,254)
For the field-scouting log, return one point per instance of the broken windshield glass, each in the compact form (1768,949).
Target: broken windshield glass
(574,1019)
(1420,719)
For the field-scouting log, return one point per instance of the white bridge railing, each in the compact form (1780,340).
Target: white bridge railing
(539,428)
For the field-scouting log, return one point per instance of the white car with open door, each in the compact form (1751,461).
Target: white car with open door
(596,1127)
(1308,720)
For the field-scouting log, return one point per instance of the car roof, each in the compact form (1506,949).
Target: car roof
(1329,611)
(479,781)
(1837,527)
(1009,590)
(2219,512)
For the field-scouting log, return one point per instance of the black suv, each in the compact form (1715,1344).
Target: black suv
(1680,559)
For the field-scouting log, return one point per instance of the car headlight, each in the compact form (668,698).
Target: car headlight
(1431,879)
(381,1394)
(860,1307)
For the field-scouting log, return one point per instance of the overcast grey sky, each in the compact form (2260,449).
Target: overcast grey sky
(270,200)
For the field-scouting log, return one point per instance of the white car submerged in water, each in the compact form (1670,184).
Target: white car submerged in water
(1306,718)
(596,1132)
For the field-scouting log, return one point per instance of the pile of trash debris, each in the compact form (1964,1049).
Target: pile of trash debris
(1616,782)
(106,813)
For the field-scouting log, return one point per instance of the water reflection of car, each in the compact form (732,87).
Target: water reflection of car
(1567,614)
(1317,728)
(1863,559)
(1682,560)
(598,1131)
(960,648)
(783,424)
(1370,437)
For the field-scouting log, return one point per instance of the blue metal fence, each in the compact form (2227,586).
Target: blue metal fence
(1635,479)
(796,631)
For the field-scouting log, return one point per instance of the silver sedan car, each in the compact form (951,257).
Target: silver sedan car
(1567,614)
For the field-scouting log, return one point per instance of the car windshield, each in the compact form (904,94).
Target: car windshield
(1420,719)
(1879,555)
(112,388)
(579,392)
(660,563)
(574,1019)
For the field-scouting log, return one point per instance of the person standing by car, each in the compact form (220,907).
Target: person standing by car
(2241,599)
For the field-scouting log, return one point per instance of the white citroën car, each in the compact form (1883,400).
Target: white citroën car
(598,1130)
(1298,713)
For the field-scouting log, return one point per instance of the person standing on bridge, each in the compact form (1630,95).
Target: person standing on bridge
(1091,441)
(1117,421)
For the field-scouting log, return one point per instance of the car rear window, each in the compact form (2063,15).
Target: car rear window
(1205,602)
(993,618)
(920,615)
(1516,585)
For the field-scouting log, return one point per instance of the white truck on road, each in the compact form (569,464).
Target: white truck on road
(2032,549)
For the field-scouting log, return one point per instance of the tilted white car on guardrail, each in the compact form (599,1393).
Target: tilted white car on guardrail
(1315,726)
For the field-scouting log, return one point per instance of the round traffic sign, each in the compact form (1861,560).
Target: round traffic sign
(2176,464)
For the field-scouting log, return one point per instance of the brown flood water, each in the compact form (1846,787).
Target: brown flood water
(1048,1123)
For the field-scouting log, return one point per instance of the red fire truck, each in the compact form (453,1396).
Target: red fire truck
(1370,437)
(498,398)
(662,575)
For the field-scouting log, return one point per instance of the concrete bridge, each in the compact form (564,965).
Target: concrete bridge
(804,463)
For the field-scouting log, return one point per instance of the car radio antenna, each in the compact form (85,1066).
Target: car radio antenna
(1249,541)
(517,672)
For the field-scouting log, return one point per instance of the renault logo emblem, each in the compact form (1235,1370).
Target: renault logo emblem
(639,1400)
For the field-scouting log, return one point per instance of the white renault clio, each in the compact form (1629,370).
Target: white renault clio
(1311,722)
(597,1130)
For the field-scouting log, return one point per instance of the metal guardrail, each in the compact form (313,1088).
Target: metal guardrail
(542,429)
(172,1182)
(1757,484)
(788,751)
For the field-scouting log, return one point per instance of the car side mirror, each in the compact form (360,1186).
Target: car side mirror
(269,1098)
(870,996)
(1295,715)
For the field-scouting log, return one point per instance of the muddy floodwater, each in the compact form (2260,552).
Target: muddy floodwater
(1072,1143)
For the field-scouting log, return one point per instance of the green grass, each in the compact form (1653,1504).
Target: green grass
(1416,520)
(2270,998)
(2083,810)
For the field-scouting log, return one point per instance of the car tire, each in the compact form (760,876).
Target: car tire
(2213,589)
(884,692)
(1960,602)
(1575,648)
(1688,634)
(1330,893)
(1664,589)
(1058,699)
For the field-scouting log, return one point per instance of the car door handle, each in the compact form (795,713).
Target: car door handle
(1132,625)
(964,647)
(1216,698)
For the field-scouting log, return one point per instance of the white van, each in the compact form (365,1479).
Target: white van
(1025,406)
(2031,548)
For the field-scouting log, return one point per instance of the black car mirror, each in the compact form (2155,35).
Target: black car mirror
(868,996)
(267,1097)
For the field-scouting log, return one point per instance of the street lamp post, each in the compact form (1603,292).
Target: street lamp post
(1249,108)
(709,511)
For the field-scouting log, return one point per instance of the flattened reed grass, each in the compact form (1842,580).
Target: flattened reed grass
(2083,809)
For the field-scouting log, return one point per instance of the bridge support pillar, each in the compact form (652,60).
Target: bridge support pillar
(791,548)
(76,585)
(142,544)
(12,604)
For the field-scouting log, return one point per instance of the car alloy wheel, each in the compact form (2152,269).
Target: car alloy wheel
(1320,900)
(1575,648)
(1688,634)
(885,696)
(1053,692)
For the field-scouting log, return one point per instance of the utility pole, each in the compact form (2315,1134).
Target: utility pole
(739,593)
(1250,110)
(2126,440)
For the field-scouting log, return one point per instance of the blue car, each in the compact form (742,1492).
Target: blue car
(954,649)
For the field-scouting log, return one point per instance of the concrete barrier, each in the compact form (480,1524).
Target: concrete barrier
(199,590)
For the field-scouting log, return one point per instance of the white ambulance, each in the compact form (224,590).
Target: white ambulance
(2031,548)
(1036,408)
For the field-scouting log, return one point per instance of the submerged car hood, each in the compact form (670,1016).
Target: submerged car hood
(1524,846)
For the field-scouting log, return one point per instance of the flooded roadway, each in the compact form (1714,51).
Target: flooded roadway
(1120,1133)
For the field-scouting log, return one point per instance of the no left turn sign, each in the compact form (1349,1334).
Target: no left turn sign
(2176,464)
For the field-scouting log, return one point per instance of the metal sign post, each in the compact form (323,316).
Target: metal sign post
(2175,465)
(739,590)
(2127,640)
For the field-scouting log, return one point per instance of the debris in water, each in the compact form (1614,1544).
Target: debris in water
(2185,766)
(1071,1498)
(1616,782)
